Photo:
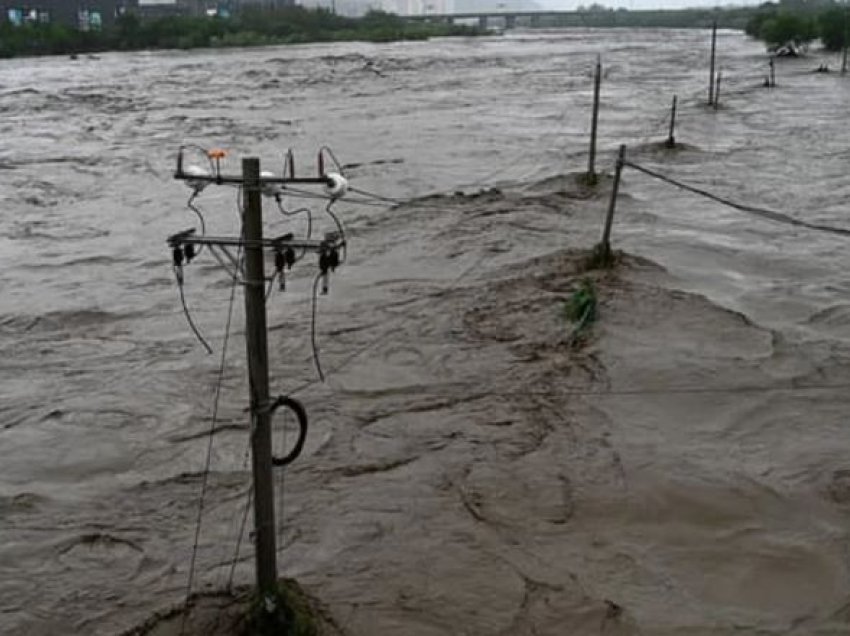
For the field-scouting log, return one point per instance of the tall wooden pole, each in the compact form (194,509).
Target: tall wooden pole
(591,160)
(711,69)
(258,379)
(612,205)
(671,139)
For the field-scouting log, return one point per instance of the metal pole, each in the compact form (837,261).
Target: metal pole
(711,70)
(258,378)
(609,219)
(671,140)
(591,161)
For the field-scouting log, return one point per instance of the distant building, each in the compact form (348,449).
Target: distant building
(86,15)
(93,15)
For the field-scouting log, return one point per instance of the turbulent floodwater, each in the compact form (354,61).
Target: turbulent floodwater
(468,472)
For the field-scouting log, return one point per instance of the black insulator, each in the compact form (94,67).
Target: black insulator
(279,260)
(177,255)
(333,259)
(189,251)
(289,257)
(324,261)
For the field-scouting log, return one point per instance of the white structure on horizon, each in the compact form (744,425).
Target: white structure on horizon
(415,7)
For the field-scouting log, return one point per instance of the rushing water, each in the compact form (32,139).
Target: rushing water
(106,395)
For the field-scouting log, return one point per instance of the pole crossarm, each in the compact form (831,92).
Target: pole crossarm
(331,242)
(225,179)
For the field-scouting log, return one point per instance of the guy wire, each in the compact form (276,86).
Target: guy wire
(188,315)
(205,477)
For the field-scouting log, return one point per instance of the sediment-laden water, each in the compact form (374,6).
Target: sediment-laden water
(469,470)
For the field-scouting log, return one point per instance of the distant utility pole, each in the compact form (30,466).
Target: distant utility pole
(711,68)
(591,160)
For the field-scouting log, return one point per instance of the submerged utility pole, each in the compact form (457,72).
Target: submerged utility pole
(591,160)
(671,138)
(711,68)
(247,267)
(258,380)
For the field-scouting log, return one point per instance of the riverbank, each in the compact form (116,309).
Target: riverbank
(295,25)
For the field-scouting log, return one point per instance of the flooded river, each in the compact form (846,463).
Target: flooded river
(686,470)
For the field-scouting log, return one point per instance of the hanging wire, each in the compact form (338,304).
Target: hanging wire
(772,215)
(313,341)
(206,472)
(249,498)
(340,229)
(363,349)
(331,154)
(191,205)
(188,314)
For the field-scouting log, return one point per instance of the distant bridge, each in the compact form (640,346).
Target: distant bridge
(503,17)
(734,18)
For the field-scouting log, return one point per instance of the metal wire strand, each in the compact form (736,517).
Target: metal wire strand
(313,341)
(207,461)
(766,213)
(188,315)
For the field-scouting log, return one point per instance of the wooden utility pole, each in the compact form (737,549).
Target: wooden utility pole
(671,139)
(711,69)
(591,160)
(612,205)
(258,380)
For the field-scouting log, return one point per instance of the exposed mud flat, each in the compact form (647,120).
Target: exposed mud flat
(471,468)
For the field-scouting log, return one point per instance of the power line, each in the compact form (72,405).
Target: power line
(766,213)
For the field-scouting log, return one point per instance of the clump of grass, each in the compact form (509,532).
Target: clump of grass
(581,307)
(288,613)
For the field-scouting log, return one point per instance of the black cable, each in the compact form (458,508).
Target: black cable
(301,416)
(771,215)
(306,211)
(189,315)
(361,350)
(340,229)
(214,420)
(379,197)
(271,286)
(333,158)
(239,538)
(313,327)
(190,204)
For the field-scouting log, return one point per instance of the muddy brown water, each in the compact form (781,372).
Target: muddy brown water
(468,471)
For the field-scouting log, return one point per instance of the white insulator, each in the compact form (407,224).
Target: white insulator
(336,186)
(196,171)
(270,189)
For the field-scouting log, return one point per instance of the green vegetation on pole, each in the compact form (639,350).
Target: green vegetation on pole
(253,27)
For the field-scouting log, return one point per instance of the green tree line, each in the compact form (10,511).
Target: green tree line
(250,28)
(800,23)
